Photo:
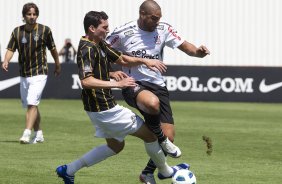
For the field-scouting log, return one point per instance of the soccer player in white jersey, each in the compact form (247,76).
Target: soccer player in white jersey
(146,38)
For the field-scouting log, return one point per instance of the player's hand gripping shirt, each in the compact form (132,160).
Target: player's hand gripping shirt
(133,41)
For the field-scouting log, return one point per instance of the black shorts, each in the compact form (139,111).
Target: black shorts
(129,95)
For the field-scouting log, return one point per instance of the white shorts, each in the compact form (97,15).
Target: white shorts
(117,122)
(31,89)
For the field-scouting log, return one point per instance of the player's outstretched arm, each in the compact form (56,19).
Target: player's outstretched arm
(93,83)
(118,75)
(153,64)
(192,50)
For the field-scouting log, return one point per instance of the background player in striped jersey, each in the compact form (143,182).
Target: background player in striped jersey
(112,121)
(31,40)
(146,38)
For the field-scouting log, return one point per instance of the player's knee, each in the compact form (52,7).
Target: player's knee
(154,106)
(117,147)
(32,107)
(149,104)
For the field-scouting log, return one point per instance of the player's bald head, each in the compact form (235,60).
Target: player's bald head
(149,6)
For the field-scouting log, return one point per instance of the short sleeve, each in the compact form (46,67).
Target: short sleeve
(112,54)
(173,40)
(85,62)
(50,41)
(12,45)
(114,40)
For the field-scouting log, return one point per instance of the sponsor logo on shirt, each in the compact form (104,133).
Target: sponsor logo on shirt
(128,33)
(114,40)
(133,40)
(173,33)
(143,54)
(160,27)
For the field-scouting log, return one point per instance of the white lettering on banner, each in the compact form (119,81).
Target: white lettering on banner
(184,83)
(76,82)
(214,84)
(245,86)
(195,87)
(210,85)
(171,83)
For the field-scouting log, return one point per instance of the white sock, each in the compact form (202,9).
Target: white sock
(94,156)
(27,132)
(156,153)
(38,133)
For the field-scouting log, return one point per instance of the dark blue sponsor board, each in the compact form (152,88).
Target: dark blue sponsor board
(191,83)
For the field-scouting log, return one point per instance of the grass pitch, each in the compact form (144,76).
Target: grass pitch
(246,137)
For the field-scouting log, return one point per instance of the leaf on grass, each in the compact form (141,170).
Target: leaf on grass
(208,142)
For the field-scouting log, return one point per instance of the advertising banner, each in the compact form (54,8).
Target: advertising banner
(184,83)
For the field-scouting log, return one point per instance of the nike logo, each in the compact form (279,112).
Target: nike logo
(4,84)
(173,154)
(264,88)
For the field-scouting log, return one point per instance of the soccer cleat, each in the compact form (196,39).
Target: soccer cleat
(62,173)
(175,169)
(37,139)
(25,139)
(172,150)
(147,178)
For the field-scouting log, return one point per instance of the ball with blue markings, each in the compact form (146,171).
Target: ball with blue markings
(184,176)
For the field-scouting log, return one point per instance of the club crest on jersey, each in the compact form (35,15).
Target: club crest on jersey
(36,37)
(102,53)
(87,69)
(24,40)
(128,33)
(157,39)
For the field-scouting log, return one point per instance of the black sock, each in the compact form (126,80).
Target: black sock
(150,167)
(153,122)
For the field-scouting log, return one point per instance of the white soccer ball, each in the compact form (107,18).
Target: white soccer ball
(184,176)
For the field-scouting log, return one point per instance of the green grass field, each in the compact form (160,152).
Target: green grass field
(247,146)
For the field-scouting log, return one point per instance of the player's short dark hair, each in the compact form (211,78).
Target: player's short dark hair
(94,18)
(28,6)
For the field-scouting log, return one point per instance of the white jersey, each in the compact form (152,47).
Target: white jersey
(133,41)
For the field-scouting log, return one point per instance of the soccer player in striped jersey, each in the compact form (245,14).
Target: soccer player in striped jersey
(31,40)
(146,38)
(111,121)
